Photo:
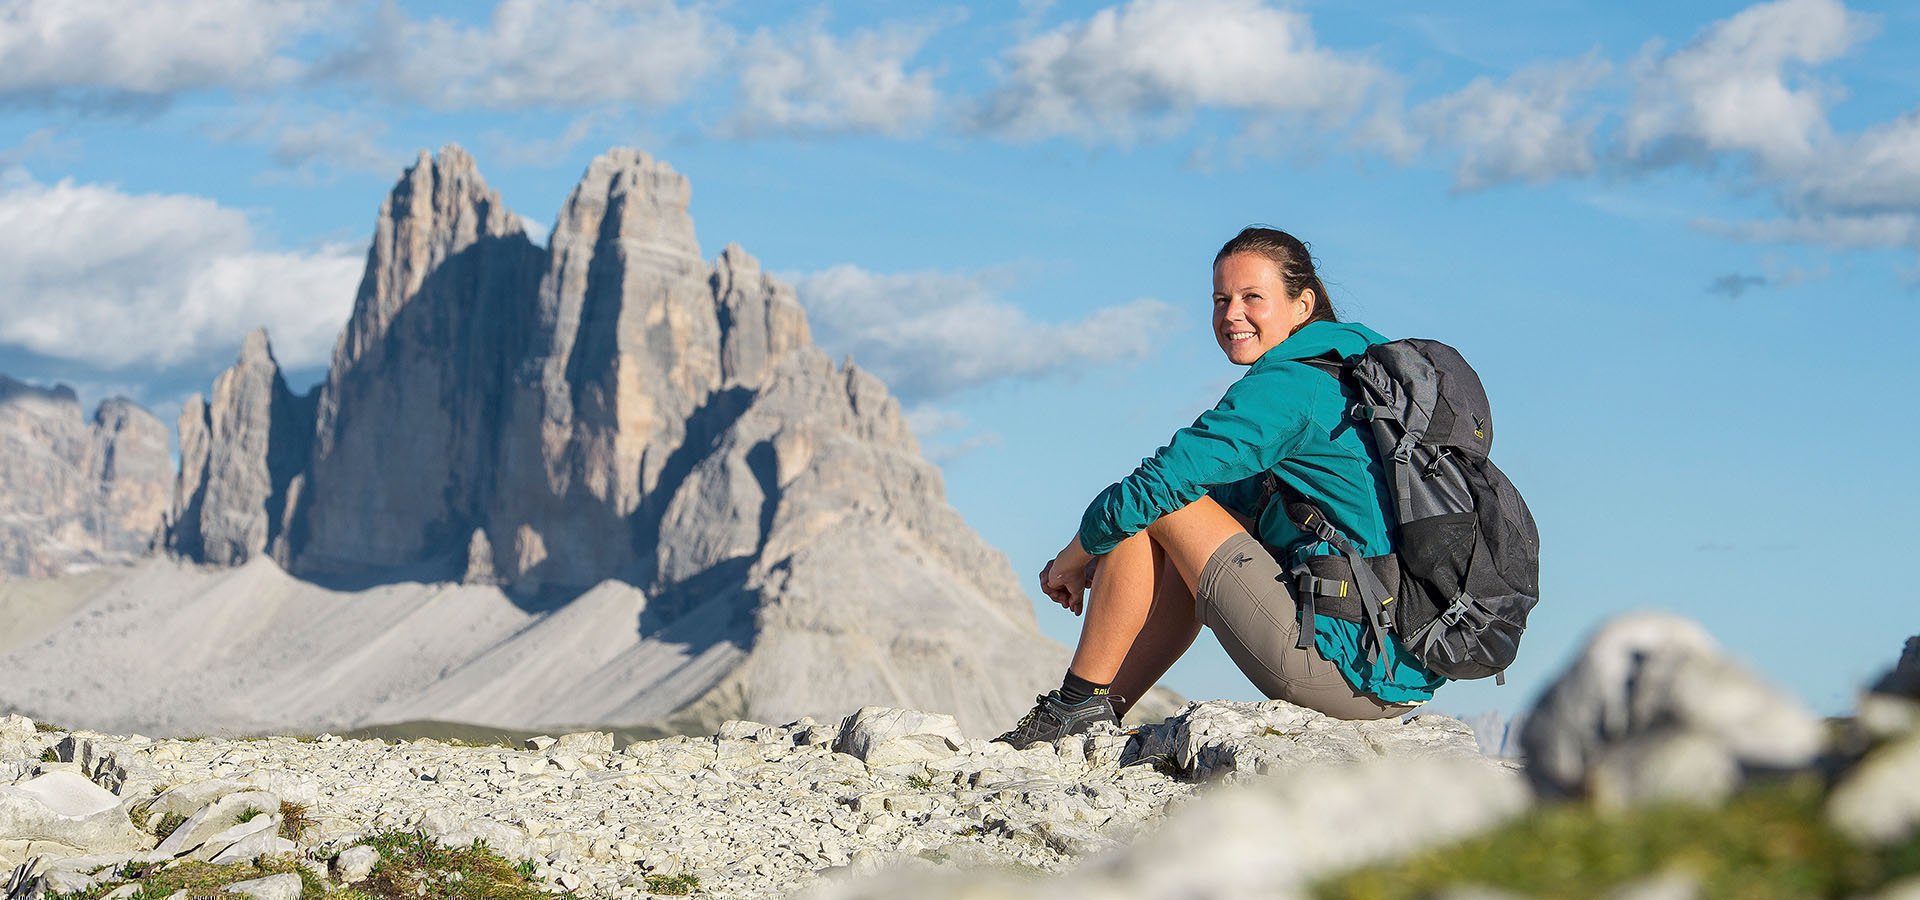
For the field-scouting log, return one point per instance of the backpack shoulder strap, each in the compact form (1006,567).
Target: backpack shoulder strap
(1334,367)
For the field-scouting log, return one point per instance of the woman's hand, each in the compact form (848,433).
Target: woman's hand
(1068,576)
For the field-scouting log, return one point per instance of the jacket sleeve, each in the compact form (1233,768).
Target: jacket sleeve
(1260,421)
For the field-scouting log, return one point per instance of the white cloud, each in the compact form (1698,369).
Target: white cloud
(946,435)
(542,53)
(1890,229)
(1877,171)
(1518,130)
(115,51)
(1147,65)
(111,279)
(931,334)
(1739,88)
(544,151)
(309,141)
(816,83)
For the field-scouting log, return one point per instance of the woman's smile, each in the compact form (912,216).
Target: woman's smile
(1251,310)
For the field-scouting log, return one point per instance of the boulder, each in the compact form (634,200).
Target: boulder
(1267,837)
(187,799)
(1217,738)
(879,736)
(354,864)
(216,817)
(583,742)
(1879,800)
(18,739)
(1891,705)
(1665,767)
(272,887)
(265,842)
(223,840)
(1656,673)
(67,809)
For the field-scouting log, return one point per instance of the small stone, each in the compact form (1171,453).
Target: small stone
(1666,886)
(272,887)
(737,730)
(1879,801)
(538,744)
(1669,767)
(1075,840)
(581,743)
(354,864)
(880,736)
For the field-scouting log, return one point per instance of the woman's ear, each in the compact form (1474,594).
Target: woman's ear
(1306,300)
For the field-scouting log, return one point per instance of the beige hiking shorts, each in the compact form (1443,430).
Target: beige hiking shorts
(1247,599)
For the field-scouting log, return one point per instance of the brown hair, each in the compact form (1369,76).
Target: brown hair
(1289,254)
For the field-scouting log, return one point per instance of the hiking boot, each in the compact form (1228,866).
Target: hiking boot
(1053,718)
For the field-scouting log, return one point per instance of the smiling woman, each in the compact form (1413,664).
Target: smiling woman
(1190,537)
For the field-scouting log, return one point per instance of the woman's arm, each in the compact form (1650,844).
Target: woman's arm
(1260,421)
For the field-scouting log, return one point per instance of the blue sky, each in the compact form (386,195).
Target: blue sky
(1678,240)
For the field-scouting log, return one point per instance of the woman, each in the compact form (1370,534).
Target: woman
(1183,541)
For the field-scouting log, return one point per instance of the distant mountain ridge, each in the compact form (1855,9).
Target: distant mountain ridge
(77,491)
(641,451)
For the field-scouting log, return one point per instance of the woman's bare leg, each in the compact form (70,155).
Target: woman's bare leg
(1167,635)
(1117,607)
(1148,579)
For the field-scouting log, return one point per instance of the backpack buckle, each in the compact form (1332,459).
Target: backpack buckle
(1403,450)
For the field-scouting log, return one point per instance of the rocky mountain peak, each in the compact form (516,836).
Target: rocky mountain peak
(631,462)
(439,208)
(638,202)
(256,349)
(76,491)
(14,391)
(240,451)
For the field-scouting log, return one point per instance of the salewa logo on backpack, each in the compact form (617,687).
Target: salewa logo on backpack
(1466,560)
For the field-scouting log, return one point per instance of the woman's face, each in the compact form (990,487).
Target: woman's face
(1251,310)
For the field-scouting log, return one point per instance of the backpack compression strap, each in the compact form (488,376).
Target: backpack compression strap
(1374,597)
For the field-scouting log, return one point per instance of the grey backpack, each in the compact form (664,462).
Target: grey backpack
(1465,570)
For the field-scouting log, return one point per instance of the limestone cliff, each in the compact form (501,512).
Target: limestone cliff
(686,507)
(76,492)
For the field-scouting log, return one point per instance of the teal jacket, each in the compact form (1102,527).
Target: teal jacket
(1288,418)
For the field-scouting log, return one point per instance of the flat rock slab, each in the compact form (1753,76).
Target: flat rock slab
(1218,738)
(272,887)
(880,736)
(66,809)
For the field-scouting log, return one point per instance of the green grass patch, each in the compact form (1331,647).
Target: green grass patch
(169,824)
(199,879)
(920,782)
(672,885)
(1771,841)
(414,865)
(49,755)
(247,815)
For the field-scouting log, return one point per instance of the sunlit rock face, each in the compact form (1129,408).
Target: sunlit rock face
(76,492)
(612,407)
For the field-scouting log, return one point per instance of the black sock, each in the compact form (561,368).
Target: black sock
(1075,690)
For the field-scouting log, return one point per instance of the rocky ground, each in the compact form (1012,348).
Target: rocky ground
(752,811)
(1221,800)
